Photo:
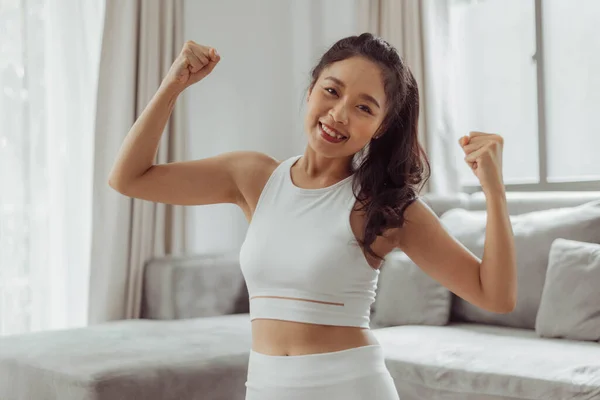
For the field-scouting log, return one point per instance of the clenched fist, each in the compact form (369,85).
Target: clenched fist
(192,65)
(483,153)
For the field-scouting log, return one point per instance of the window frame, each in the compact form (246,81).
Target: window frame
(543,184)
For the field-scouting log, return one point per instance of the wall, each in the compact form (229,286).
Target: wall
(254,98)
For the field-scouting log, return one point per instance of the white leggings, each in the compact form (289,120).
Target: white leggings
(355,374)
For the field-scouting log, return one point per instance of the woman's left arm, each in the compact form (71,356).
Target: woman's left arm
(489,283)
(498,268)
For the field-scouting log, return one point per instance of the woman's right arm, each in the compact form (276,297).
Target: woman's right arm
(206,181)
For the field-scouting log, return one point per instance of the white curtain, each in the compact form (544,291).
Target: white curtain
(419,31)
(48,69)
(141,40)
(443,149)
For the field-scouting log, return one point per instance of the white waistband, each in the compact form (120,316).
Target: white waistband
(315,369)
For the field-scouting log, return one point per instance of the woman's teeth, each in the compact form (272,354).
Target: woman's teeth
(331,133)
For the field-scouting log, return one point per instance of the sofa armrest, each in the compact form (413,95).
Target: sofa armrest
(193,286)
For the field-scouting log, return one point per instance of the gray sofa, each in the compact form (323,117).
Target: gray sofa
(194,340)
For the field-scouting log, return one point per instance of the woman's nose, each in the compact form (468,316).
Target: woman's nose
(339,113)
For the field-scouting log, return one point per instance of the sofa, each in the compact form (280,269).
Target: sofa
(194,338)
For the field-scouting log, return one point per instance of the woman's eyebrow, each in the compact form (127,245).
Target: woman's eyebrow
(365,96)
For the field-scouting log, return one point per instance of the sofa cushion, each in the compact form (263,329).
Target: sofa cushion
(570,305)
(534,233)
(471,361)
(203,358)
(406,295)
(195,286)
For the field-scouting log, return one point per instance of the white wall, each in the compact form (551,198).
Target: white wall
(254,98)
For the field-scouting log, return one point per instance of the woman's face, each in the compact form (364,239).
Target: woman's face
(347,101)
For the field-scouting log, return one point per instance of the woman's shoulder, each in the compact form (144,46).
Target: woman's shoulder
(416,213)
(253,170)
(256,160)
(254,167)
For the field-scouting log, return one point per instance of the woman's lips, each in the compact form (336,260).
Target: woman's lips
(326,133)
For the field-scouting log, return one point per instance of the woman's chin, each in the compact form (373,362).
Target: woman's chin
(321,147)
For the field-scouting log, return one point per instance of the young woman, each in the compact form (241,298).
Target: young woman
(321,223)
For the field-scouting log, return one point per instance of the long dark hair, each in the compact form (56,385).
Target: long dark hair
(391,170)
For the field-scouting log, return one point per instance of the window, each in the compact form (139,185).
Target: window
(24,211)
(49,53)
(528,69)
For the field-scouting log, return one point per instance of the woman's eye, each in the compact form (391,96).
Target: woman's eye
(331,91)
(365,108)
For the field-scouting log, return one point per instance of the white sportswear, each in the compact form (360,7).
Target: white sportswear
(300,258)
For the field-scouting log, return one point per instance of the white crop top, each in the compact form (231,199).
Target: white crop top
(300,259)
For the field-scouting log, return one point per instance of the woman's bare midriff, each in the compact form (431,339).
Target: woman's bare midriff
(288,338)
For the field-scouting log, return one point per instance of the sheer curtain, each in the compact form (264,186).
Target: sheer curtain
(49,53)
(440,91)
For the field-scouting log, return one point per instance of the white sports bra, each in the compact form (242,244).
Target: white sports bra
(300,259)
